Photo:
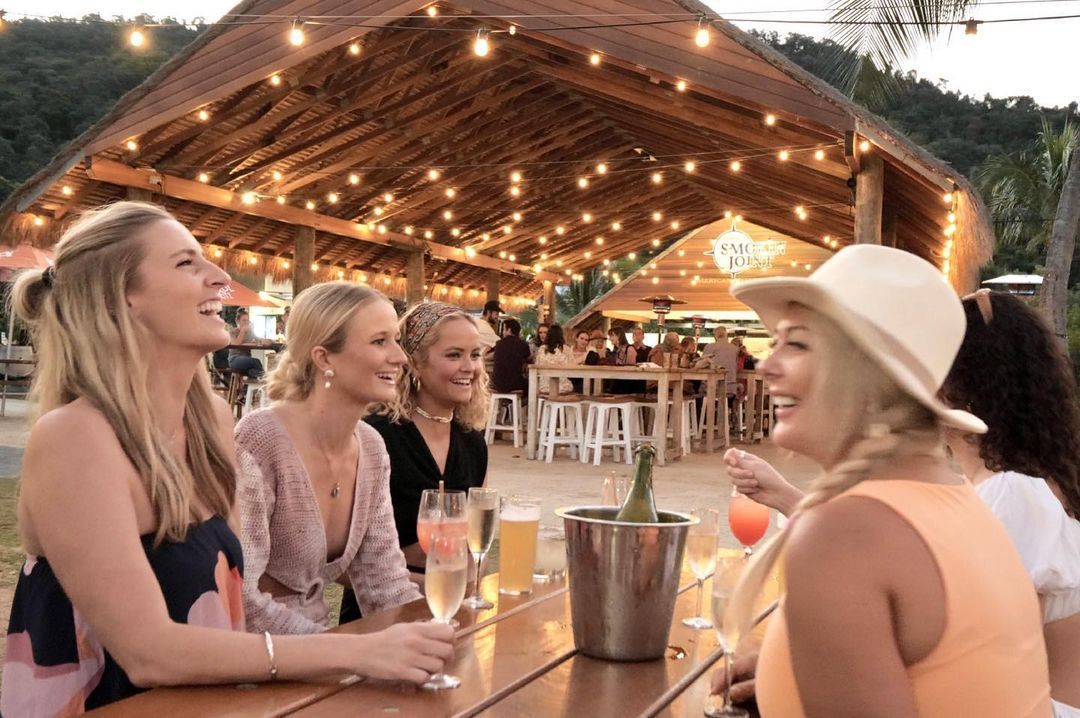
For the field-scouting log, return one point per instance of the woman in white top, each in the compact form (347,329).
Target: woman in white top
(1011,373)
(555,353)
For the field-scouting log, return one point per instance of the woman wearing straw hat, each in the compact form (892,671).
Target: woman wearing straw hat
(1026,467)
(904,595)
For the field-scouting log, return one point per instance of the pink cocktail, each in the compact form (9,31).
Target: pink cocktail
(448,527)
(748,520)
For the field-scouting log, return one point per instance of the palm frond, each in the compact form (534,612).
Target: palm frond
(889,31)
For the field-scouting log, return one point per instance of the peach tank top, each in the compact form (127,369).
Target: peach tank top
(991,660)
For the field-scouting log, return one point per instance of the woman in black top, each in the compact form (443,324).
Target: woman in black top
(433,429)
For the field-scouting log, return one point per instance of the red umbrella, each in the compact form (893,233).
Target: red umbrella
(235,294)
(25,256)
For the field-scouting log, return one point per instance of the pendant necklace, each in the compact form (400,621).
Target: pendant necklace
(432,417)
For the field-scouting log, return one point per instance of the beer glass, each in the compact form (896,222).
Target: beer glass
(482,506)
(550,554)
(519,521)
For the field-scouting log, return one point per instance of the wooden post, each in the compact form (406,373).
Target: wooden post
(136,194)
(414,278)
(869,198)
(493,279)
(605,325)
(888,229)
(549,303)
(303,255)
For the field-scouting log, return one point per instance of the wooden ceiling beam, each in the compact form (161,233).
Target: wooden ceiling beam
(120,174)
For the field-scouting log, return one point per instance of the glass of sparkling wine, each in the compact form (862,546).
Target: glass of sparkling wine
(701,543)
(725,578)
(550,554)
(447,517)
(445,579)
(482,506)
(615,489)
(519,521)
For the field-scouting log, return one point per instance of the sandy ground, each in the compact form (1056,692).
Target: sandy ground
(694,481)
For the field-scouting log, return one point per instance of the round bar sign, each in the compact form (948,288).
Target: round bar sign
(734,252)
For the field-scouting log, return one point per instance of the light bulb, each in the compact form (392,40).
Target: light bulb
(735,165)
(657,216)
(864,146)
(512,30)
(277,176)
(432,11)
(354,49)
(281,199)
(204,115)
(203,177)
(309,204)
(137,38)
(632,255)
(583,182)
(388,198)
(657,178)
(507,229)
(132,145)
(600,241)
(560,230)
(481,47)
(515,191)
(428,234)
(450,192)
(408,230)
(784,155)
(656,280)
(433,174)
(332,198)
(586,217)
(516,216)
(249,198)
(702,37)
(616,226)
(447,215)
(66,190)
(542,240)
(515,177)
(770,119)
(690,166)
(819,155)
(455,232)
(948,197)
(354,178)
(296,36)
(594,59)
(675,225)
(601,168)
(378,211)
(275,80)
(681,85)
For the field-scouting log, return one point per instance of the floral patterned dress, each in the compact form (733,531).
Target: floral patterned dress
(55,664)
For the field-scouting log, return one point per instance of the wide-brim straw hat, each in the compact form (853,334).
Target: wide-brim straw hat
(895,306)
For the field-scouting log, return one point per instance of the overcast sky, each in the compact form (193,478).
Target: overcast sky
(1027,58)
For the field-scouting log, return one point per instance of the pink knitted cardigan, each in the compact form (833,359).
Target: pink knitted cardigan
(283,536)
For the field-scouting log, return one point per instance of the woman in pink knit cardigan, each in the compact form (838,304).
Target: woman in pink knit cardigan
(315,498)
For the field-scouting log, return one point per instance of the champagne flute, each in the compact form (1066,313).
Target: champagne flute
(701,543)
(615,489)
(482,508)
(448,516)
(748,520)
(725,578)
(445,579)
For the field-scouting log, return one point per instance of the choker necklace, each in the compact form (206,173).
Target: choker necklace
(436,419)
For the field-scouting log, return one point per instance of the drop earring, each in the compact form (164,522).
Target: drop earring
(328,375)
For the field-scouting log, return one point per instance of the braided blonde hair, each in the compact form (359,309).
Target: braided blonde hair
(875,423)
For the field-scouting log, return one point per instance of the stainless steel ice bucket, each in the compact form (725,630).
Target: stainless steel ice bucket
(624,578)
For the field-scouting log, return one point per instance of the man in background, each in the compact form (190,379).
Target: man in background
(489,334)
(511,355)
(722,354)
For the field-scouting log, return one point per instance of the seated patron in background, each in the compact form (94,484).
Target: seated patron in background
(667,352)
(537,341)
(619,347)
(133,576)
(722,354)
(511,359)
(639,350)
(488,326)
(315,495)
(240,359)
(555,353)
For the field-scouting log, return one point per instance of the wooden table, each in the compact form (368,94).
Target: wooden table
(517,659)
(271,347)
(669,383)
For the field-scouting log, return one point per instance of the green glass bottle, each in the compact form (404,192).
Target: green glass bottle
(640,506)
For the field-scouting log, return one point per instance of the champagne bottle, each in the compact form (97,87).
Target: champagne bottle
(640,506)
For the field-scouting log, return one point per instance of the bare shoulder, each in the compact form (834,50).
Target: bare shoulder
(74,432)
(850,535)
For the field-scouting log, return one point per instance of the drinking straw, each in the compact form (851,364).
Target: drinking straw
(442,497)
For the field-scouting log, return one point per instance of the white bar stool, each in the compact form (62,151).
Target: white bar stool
(511,403)
(562,422)
(610,423)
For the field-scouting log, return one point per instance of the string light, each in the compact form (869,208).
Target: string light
(656,243)
(296,34)
(515,191)
(657,216)
(137,37)
(542,240)
(354,49)
(586,217)
(284,264)
(784,155)
(332,198)
(354,179)
(516,216)
(632,256)
(428,234)
(388,198)
(601,168)
(682,252)
(470,252)
(132,145)
(770,120)
(281,199)
(66,190)
(583,182)
(675,224)
(948,197)
(864,146)
(656,280)
(249,198)
(690,166)
(702,36)
(455,232)
(502,255)
(203,115)
(409,230)
(275,80)
(819,155)
(616,226)
(560,230)
(39,221)
(309,204)
(588,255)
(481,47)
(450,192)
(507,229)
(512,30)
(515,177)
(432,11)
(485,236)
(447,215)
(378,211)
(735,165)
(657,177)
(252,260)
(594,59)
(600,241)
(277,175)
(218,252)
(681,85)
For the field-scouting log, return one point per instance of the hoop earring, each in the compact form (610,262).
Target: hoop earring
(328,375)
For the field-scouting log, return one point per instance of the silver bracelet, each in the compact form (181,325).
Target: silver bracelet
(270,655)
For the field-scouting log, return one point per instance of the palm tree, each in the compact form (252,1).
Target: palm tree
(569,301)
(1022,190)
(1034,197)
